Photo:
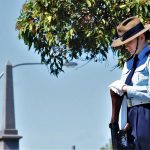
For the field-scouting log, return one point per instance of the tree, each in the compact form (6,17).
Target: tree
(63,30)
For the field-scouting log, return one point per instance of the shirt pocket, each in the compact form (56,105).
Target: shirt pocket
(141,75)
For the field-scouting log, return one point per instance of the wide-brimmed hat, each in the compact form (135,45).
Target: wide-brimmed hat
(128,30)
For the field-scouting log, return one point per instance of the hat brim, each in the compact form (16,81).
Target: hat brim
(118,42)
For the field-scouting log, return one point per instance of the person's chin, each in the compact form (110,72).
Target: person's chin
(131,53)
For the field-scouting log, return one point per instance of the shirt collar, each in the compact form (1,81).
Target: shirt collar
(145,50)
(141,55)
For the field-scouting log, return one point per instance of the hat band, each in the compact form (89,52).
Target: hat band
(132,31)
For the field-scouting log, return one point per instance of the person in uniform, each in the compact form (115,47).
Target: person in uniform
(133,88)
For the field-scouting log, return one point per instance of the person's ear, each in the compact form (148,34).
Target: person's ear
(142,37)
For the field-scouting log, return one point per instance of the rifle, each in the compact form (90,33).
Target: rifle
(114,128)
(118,137)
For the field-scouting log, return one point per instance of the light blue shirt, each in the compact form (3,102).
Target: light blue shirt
(139,90)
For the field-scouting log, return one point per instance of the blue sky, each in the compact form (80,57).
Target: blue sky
(55,113)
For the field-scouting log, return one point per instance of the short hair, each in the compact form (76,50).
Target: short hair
(147,35)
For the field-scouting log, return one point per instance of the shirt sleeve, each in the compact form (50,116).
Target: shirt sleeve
(140,92)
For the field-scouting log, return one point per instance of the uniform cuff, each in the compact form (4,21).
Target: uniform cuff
(130,91)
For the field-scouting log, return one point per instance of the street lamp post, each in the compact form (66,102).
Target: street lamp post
(9,138)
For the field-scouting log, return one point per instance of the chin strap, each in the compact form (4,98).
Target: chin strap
(137,45)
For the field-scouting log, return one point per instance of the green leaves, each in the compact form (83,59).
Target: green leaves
(63,30)
(49,38)
(88,3)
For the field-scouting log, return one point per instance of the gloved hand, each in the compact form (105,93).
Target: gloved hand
(117,86)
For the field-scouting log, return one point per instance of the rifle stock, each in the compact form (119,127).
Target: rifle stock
(116,134)
(114,128)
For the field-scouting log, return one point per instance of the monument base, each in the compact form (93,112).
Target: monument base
(9,142)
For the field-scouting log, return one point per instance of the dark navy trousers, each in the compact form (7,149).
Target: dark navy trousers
(139,134)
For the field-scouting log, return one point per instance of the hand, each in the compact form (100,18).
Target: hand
(124,88)
(118,84)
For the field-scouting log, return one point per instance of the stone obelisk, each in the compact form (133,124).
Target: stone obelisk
(9,138)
